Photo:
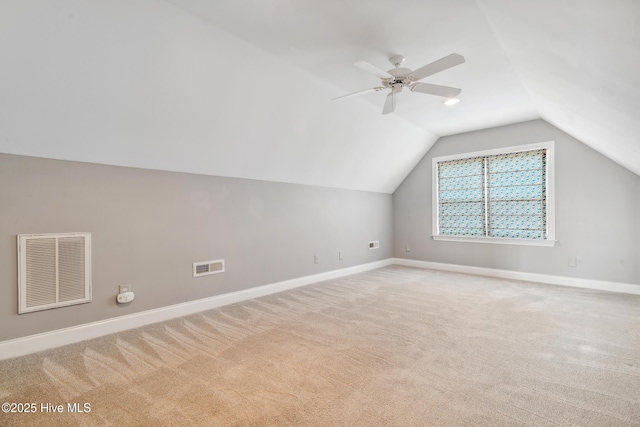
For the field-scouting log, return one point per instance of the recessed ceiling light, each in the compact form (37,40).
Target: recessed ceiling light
(451,102)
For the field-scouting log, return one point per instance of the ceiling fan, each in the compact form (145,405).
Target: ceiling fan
(398,78)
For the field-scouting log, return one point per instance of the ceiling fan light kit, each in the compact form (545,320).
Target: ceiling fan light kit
(398,78)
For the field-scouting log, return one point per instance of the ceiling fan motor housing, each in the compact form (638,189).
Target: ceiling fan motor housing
(400,77)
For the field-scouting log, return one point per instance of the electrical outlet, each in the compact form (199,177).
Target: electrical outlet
(315,259)
(573,261)
(407,248)
(340,256)
(124,288)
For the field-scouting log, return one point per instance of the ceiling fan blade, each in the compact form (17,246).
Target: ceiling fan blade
(390,103)
(437,66)
(446,91)
(360,92)
(372,69)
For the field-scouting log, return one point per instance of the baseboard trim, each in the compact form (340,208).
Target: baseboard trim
(46,340)
(599,285)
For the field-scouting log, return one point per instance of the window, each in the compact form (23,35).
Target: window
(498,196)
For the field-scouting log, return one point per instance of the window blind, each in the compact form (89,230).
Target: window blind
(461,197)
(501,196)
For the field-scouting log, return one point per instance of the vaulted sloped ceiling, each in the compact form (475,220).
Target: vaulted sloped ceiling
(244,89)
(579,61)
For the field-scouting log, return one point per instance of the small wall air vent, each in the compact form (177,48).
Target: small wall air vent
(54,270)
(374,244)
(205,268)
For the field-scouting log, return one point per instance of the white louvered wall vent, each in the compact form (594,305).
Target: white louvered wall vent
(205,268)
(54,270)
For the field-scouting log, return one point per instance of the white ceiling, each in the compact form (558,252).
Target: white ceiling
(243,88)
(325,38)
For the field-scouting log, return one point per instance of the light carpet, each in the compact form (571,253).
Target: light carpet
(397,346)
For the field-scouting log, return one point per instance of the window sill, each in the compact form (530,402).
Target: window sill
(496,241)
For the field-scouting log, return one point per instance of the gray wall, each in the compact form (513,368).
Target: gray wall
(597,211)
(148,227)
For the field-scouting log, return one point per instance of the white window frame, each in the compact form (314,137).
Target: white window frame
(550,200)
